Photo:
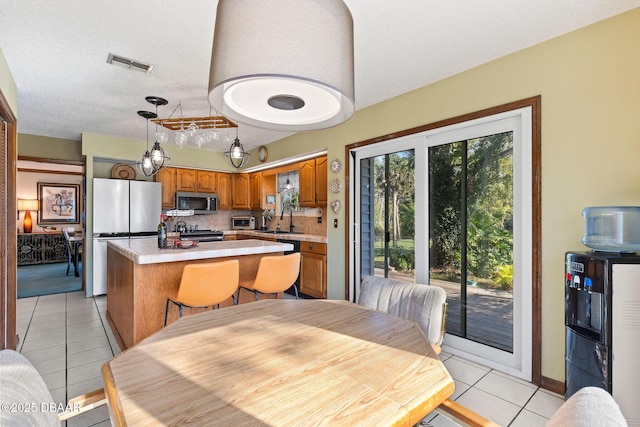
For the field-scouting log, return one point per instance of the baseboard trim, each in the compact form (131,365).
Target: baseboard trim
(553,385)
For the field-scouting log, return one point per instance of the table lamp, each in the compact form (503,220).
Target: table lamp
(27,205)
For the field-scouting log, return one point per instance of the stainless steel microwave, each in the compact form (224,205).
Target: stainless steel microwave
(201,203)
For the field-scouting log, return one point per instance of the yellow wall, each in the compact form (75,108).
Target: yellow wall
(589,81)
(49,148)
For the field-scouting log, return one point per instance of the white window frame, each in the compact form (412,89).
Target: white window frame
(518,363)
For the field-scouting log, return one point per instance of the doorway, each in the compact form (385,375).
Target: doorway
(44,265)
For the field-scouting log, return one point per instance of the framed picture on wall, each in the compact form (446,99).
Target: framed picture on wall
(58,203)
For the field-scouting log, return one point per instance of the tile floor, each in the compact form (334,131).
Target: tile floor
(67,338)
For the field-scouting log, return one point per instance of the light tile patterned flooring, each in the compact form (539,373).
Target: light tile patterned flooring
(67,338)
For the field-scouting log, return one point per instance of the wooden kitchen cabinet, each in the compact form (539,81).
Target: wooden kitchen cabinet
(186,180)
(313,269)
(225,201)
(321,181)
(206,181)
(256,196)
(307,171)
(241,190)
(268,188)
(193,180)
(167,177)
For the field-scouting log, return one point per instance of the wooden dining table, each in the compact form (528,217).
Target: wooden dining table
(282,363)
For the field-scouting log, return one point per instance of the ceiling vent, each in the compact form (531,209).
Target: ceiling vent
(129,63)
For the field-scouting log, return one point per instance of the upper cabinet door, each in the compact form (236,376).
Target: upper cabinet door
(241,190)
(167,177)
(187,180)
(206,182)
(256,191)
(308,183)
(224,191)
(321,181)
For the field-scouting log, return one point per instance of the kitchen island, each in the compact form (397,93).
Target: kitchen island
(140,276)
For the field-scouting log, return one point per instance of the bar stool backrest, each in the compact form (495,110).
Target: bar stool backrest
(276,273)
(208,284)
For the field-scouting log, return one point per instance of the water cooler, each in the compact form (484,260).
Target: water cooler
(602,319)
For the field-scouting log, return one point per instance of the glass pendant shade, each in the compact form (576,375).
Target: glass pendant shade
(158,156)
(145,165)
(291,69)
(235,155)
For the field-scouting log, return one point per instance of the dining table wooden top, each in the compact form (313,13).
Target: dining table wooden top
(279,362)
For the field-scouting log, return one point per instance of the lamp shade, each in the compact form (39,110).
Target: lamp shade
(27,204)
(283,64)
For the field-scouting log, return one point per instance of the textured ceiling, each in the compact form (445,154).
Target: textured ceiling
(57,52)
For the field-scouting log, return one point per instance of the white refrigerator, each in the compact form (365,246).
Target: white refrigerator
(122,209)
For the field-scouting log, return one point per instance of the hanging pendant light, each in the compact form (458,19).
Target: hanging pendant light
(145,164)
(158,155)
(291,69)
(235,155)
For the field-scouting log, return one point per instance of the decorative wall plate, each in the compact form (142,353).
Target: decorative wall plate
(335,186)
(123,171)
(336,165)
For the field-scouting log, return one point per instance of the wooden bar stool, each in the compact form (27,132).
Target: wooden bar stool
(205,285)
(276,273)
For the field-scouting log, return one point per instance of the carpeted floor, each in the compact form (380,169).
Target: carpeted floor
(46,279)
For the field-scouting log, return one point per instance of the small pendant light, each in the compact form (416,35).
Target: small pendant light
(145,164)
(158,155)
(235,155)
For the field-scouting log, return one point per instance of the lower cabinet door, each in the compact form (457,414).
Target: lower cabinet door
(313,274)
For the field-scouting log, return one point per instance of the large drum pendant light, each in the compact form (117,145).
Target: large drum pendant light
(283,64)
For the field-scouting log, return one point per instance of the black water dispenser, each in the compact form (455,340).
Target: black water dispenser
(588,322)
(602,319)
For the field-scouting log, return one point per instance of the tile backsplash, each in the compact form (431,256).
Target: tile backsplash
(222,221)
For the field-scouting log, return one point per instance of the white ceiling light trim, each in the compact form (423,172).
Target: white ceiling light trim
(283,64)
(250,97)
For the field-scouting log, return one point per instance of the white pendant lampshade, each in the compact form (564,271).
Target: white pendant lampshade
(283,64)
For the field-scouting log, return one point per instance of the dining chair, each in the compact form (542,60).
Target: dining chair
(26,400)
(424,304)
(71,252)
(205,285)
(276,273)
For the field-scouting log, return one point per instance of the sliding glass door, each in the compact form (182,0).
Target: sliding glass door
(451,207)
(471,229)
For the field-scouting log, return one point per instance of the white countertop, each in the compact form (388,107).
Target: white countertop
(303,237)
(146,251)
